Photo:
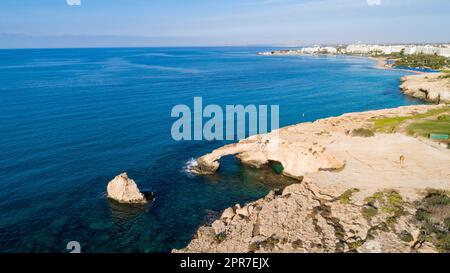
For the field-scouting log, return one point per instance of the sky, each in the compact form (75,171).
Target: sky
(104,23)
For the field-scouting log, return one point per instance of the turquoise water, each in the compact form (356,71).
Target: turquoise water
(72,119)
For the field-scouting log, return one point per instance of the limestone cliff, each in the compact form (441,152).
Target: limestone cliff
(303,219)
(432,87)
(359,190)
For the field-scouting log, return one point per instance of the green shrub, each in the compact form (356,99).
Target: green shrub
(268,244)
(423,61)
(346,197)
(394,203)
(369,212)
(297,244)
(405,236)
(363,132)
(220,237)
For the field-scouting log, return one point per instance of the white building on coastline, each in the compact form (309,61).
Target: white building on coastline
(444,52)
(363,49)
(358,49)
(311,50)
(330,50)
(422,49)
(441,50)
(392,49)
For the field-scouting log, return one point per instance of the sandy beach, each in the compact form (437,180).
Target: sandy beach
(381,62)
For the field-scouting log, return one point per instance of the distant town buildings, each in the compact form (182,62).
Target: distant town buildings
(363,49)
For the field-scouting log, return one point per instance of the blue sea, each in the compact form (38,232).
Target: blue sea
(72,119)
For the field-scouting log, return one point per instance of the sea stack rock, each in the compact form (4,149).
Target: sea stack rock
(124,190)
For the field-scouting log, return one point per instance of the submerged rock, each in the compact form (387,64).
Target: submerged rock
(124,190)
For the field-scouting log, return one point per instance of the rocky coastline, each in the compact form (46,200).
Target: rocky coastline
(360,189)
(431,87)
(362,186)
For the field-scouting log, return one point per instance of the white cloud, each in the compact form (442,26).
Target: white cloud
(373,2)
(73,2)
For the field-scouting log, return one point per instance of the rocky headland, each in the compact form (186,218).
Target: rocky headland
(366,183)
(432,87)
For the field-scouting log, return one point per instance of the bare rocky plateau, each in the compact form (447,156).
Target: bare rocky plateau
(355,193)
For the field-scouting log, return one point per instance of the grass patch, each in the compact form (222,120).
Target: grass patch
(390,125)
(346,197)
(355,245)
(389,202)
(369,212)
(446,75)
(441,125)
(371,200)
(390,222)
(363,132)
(394,203)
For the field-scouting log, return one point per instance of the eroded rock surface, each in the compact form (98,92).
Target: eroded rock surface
(296,157)
(356,191)
(304,219)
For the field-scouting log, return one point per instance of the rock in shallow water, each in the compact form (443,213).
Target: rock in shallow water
(124,190)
